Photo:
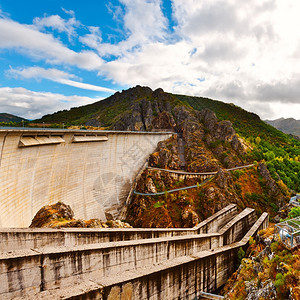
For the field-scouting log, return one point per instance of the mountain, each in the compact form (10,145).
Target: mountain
(212,136)
(4,117)
(289,126)
(135,109)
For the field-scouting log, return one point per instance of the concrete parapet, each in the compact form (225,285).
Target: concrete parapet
(18,239)
(218,220)
(235,229)
(260,224)
(58,267)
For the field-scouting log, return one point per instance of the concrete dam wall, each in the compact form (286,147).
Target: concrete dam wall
(92,171)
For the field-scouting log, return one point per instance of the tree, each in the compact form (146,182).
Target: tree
(258,140)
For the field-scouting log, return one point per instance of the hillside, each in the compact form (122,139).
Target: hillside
(268,271)
(4,117)
(138,108)
(212,136)
(289,126)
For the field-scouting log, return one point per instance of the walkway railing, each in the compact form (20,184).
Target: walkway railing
(193,173)
(295,200)
(175,190)
(187,173)
(210,296)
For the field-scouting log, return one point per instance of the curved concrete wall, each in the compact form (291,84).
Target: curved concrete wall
(93,175)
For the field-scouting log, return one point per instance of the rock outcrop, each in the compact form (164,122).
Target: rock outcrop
(202,144)
(60,215)
(50,213)
(274,190)
(206,138)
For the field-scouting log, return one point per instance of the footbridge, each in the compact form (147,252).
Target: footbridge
(117,264)
(92,171)
(182,175)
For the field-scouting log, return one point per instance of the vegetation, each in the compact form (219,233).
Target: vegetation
(13,124)
(8,118)
(294,212)
(280,151)
(267,272)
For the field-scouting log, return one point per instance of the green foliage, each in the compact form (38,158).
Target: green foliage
(279,282)
(159,204)
(269,155)
(201,194)
(14,124)
(237,174)
(253,196)
(215,144)
(238,189)
(281,151)
(274,246)
(241,254)
(295,212)
(252,241)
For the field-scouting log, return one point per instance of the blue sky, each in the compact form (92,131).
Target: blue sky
(60,54)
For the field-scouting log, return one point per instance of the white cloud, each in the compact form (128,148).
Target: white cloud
(68,12)
(92,39)
(57,76)
(28,104)
(57,23)
(144,19)
(39,73)
(143,23)
(85,86)
(44,46)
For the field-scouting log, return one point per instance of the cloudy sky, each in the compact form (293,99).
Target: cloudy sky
(60,54)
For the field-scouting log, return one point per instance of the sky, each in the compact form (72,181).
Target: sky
(56,54)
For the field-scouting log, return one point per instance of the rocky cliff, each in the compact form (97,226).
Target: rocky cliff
(202,144)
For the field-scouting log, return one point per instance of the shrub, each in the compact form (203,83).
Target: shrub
(295,212)
(241,254)
(279,280)
(252,241)
(159,204)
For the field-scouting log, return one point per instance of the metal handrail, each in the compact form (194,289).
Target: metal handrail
(175,190)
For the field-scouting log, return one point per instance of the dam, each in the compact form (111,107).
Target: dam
(92,171)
